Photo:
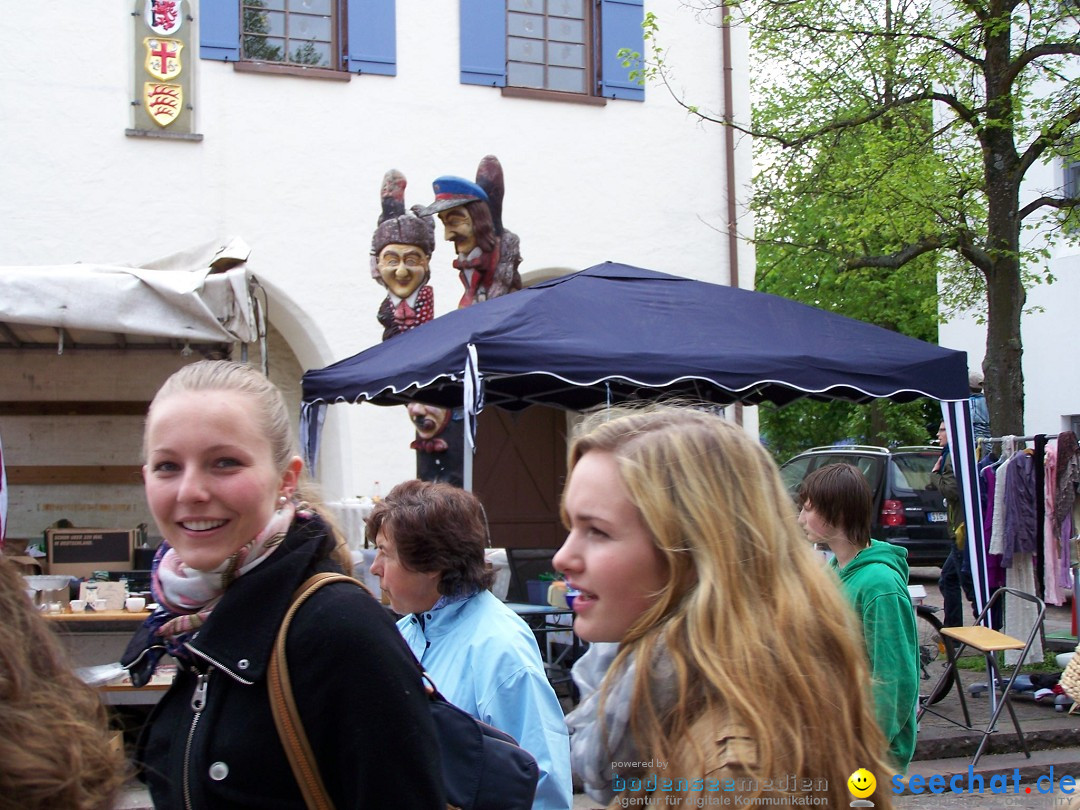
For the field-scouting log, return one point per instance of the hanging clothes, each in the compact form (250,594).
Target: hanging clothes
(1029,509)
(1014,537)
(1020,614)
(1068,477)
(1052,591)
(995,574)
(997,533)
(3,498)
(1021,527)
(1065,484)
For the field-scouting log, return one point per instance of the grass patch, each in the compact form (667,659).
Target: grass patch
(976,663)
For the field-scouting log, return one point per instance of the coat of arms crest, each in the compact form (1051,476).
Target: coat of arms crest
(163,57)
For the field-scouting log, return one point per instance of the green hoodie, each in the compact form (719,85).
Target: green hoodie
(876,585)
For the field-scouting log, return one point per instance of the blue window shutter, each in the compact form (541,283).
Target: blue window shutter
(219,30)
(620,27)
(483,42)
(372,37)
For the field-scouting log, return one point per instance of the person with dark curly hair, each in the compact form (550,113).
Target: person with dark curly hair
(54,732)
(483,658)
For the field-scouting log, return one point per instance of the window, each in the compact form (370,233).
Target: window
(357,36)
(568,46)
(546,46)
(1072,178)
(295,33)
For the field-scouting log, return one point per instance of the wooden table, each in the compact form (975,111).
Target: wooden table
(96,637)
(120,692)
(112,618)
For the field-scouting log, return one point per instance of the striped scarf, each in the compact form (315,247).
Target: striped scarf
(186,597)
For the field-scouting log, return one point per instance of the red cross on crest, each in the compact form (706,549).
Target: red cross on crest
(163,57)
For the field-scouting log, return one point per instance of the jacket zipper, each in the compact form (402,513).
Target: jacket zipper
(218,665)
(198,703)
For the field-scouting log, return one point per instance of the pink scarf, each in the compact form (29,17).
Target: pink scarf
(192,594)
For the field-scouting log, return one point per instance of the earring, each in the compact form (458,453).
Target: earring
(281,501)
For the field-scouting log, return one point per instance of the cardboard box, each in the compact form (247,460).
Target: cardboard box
(116,741)
(80,552)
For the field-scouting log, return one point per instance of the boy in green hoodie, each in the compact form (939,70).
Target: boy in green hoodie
(837,510)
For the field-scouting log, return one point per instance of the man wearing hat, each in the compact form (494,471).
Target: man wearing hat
(487,255)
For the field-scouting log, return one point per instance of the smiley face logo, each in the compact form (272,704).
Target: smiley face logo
(862,783)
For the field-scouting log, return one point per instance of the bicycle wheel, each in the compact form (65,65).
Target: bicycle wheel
(933,656)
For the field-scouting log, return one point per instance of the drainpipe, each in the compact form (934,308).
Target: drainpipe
(729,163)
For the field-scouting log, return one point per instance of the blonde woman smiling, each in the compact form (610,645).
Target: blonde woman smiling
(241,535)
(734,665)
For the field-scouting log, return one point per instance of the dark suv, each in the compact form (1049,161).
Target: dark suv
(908,511)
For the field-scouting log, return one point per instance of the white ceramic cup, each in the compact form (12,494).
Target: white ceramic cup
(77,605)
(135,603)
(99,604)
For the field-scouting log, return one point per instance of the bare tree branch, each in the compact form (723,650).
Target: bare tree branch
(894,261)
(1048,202)
(1053,133)
(1038,52)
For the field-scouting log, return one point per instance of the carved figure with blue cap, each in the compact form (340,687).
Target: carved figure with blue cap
(471,213)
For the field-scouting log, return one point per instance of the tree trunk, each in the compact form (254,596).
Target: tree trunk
(1005,295)
(1004,383)
(878,423)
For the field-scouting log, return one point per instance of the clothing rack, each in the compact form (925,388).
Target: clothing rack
(1040,440)
(1050,437)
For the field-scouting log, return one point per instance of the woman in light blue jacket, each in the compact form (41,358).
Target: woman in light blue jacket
(483,658)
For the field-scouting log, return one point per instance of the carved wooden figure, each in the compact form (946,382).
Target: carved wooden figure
(439,444)
(401,251)
(488,255)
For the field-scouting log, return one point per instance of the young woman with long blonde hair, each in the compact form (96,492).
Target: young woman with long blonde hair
(736,665)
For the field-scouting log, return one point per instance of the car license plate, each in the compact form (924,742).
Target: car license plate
(937,517)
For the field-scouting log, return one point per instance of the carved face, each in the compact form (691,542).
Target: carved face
(429,420)
(458,228)
(403,268)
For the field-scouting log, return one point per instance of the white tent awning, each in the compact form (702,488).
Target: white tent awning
(199,296)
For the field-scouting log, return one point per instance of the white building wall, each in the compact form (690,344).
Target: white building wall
(293,165)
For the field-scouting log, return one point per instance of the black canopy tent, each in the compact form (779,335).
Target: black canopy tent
(615,332)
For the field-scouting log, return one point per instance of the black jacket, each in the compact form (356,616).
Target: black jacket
(356,684)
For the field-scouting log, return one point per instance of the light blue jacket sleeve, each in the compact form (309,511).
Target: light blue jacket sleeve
(484,659)
(525,707)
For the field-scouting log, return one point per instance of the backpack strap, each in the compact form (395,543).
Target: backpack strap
(286,717)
